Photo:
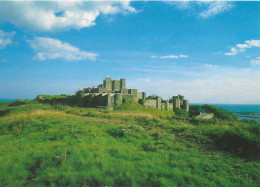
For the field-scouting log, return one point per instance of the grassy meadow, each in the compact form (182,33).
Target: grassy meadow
(62,145)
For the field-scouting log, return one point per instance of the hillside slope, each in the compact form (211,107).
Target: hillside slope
(61,145)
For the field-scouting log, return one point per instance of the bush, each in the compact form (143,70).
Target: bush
(141,101)
(194,110)
(181,112)
(116,132)
(18,102)
(236,141)
(219,112)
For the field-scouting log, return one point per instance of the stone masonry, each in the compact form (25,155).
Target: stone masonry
(112,93)
(115,92)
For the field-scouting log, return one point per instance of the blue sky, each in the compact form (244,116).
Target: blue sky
(207,51)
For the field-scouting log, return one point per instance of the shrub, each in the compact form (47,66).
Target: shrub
(117,132)
(236,139)
(181,112)
(194,110)
(219,112)
(141,101)
(18,102)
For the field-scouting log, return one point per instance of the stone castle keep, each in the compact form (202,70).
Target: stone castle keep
(112,93)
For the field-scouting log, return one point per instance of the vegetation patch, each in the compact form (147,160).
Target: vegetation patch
(42,144)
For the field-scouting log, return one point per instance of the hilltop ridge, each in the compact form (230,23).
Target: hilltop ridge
(132,145)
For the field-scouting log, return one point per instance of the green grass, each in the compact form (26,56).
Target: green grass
(131,146)
(54,96)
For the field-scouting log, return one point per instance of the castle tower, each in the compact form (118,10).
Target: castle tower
(181,99)
(167,105)
(108,83)
(186,105)
(115,85)
(143,95)
(176,102)
(158,103)
(122,83)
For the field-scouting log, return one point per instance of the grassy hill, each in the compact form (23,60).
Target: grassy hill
(131,146)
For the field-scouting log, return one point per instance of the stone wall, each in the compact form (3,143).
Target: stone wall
(150,102)
(205,116)
(112,93)
(132,92)
(129,98)
(118,100)
(170,106)
(124,91)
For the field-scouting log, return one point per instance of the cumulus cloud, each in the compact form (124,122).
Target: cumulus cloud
(6,38)
(255,62)
(253,43)
(204,9)
(59,15)
(144,80)
(232,52)
(183,56)
(243,47)
(216,8)
(170,56)
(51,49)
(208,65)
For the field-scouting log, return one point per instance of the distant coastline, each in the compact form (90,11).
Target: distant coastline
(244,111)
(7,100)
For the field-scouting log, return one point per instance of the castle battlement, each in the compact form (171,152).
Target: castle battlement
(113,93)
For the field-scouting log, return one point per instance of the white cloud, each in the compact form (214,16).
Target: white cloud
(203,9)
(253,43)
(216,8)
(255,62)
(183,56)
(232,53)
(208,65)
(51,49)
(144,80)
(243,47)
(5,38)
(182,5)
(55,16)
(170,56)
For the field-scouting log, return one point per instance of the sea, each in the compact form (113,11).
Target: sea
(249,112)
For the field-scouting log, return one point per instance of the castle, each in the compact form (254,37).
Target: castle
(112,93)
